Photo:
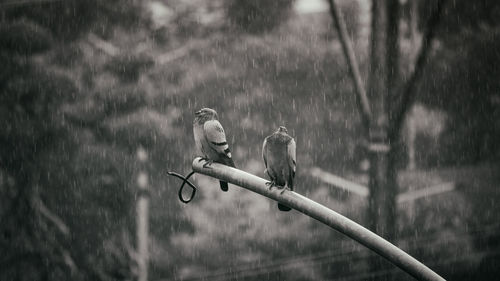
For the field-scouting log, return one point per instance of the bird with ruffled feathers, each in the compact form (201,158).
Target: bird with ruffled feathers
(279,154)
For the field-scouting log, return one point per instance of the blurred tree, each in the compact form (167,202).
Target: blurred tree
(468,77)
(463,64)
(70,19)
(129,66)
(459,16)
(473,129)
(30,126)
(383,116)
(383,107)
(66,192)
(257,16)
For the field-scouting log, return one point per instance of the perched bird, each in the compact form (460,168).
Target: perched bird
(278,151)
(210,140)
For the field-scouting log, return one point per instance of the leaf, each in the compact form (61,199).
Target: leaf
(24,38)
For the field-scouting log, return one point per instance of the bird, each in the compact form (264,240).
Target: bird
(278,152)
(210,140)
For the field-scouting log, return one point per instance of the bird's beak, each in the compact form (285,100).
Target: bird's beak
(197,113)
(282,129)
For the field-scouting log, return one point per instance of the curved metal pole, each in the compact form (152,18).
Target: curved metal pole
(321,213)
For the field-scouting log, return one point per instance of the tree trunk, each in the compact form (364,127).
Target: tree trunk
(389,105)
(383,190)
(383,75)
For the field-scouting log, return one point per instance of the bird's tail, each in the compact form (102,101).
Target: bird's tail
(283,208)
(229,162)
(224,186)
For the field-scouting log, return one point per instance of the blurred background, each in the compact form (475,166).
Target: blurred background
(95,93)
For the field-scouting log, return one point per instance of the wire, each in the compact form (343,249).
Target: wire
(271,265)
(472,257)
(338,254)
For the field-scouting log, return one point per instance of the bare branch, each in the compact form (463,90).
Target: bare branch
(103,45)
(392,53)
(362,98)
(410,88)
(58,222)
(183,51)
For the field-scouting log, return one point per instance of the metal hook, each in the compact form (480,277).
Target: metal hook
(184,181)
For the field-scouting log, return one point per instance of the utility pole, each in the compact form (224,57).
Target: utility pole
(142,219)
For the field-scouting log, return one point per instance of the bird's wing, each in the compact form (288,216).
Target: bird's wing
(264,152)
(216,138)
(291,147)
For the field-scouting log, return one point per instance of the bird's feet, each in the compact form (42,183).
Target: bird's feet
(270,184)
(283,190)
